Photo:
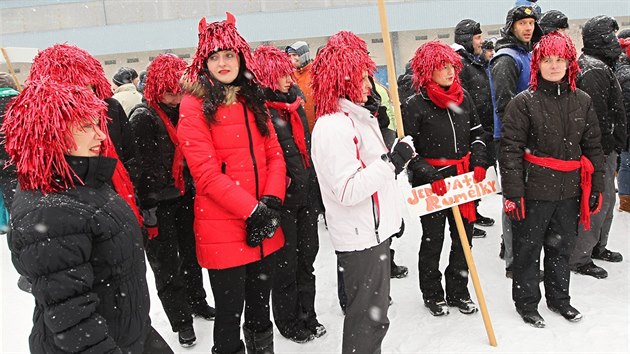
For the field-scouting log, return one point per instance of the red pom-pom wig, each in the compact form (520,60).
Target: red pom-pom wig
(433,56)
(625,44)
(558,44)
(347,39)
(38,134)
(337,73)
(217,36)
(272,64)
(71,65)
(163,76)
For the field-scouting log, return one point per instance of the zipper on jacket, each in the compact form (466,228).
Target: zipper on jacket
(377,219)
(453,128)
(251,152)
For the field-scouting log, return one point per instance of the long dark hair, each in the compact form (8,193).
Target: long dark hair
(250,92)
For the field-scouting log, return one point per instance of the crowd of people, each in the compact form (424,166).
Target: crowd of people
(228,163)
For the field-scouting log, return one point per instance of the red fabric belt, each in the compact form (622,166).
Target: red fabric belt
(462,165)
(586,172)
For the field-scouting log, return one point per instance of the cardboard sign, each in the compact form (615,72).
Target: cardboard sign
(460,189)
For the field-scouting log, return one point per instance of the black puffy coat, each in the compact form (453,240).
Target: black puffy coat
(622,72)
(442,133)
(118,128)
(303,180)
(152,164)
(474,79)
(549,122)
(82,249)
(598,81)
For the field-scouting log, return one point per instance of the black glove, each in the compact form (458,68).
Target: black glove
(150,222)
(272,202)
(402,230)
(401,153)
(262,223)
(595,202)
(514,208)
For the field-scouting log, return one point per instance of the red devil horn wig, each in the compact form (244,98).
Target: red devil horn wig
(337,73)
(272,64)
(72,65)
(554,44)
(163,76)
(217,36)
(433,56)
(348,39)
(38,134)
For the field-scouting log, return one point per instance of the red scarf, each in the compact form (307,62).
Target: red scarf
(586,182)
(296,125)
(178,160)
(121,181)
(442,98)
(463,165)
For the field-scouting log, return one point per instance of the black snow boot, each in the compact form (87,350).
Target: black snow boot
(397,271)
(259,343)
(532,317)
(240,350)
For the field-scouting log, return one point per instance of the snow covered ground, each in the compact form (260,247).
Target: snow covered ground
(604,303)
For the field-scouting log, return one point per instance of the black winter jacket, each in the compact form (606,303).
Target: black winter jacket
(474,79)
(82,249)
(598,81)
(118,128)
(152,164)
(442,133)
(549,122)
(622,72)
(302,179)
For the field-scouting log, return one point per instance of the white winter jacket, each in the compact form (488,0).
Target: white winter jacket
(348,186)
(128,96)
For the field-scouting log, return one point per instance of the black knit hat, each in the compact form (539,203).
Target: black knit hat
(487,44)
(624,33)
(124,76)
(553,20)
(518,13)
(465,30)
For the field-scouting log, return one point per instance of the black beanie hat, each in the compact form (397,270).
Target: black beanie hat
(464,32)
(553,20)
(124,76)
(518,13)
(624,33)
(487,44)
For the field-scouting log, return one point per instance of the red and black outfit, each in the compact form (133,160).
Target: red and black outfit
(550,138)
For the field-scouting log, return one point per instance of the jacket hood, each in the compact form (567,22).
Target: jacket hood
(464,32)
(598,35)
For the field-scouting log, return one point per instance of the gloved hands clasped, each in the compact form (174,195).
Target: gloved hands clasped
(595,202)
(514,208)
(262,224)
(150,222)
(402,151)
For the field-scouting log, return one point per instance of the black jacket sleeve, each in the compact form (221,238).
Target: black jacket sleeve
(592,148)
(478,137)
(119,131)
(57,261)
(513,142)
(623,76)
(146,162)
(504,79)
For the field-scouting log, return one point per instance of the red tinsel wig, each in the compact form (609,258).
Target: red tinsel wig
(337,73)
(558,44)
(272,64)
(217,36)
(625,44)
(163,76)
(71,65)
(347,39)
(37,127)
(433,56)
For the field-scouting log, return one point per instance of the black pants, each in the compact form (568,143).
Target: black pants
(552,225)
(172,257)
(234,288)
(293,295)
(456,274)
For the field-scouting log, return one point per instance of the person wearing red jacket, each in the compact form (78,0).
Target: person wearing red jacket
(237,164)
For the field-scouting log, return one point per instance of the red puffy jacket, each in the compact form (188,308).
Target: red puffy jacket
(232,165)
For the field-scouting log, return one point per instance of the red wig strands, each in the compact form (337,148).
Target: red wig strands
(71,65)
(272,64)
(218,36)
(433,56)
(625,44)
(38,126)
(337,73)
(163,76)
(347,39)
(557,44)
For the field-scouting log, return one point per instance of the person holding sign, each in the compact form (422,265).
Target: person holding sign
(552,172)
(357,176)
(449,140)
